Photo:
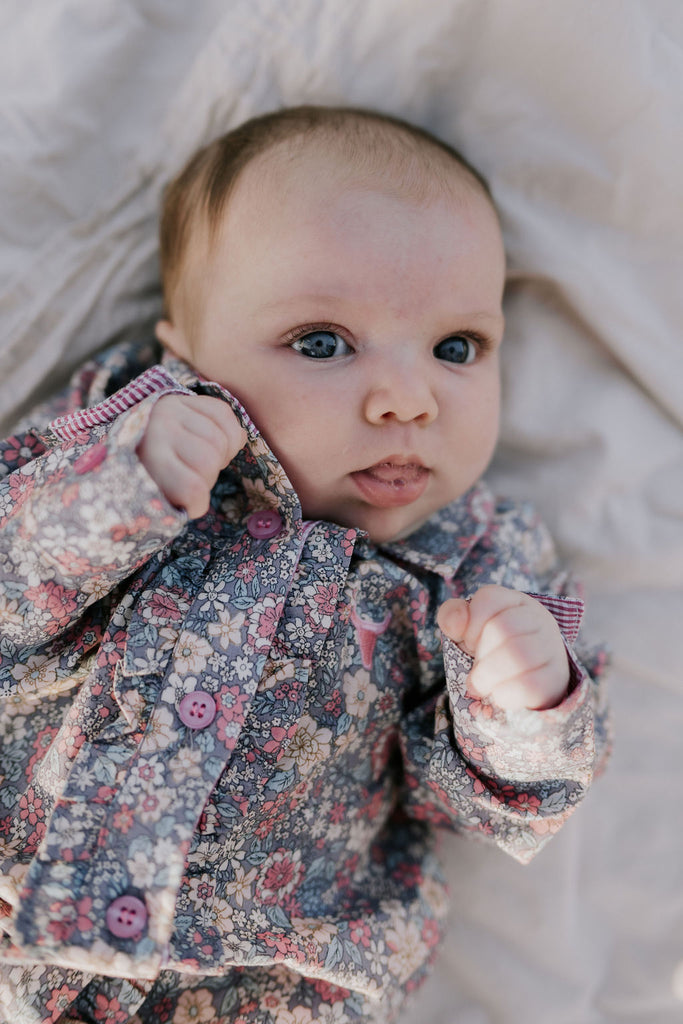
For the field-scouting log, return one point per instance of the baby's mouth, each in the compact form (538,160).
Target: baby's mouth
(397,473)
(393,482)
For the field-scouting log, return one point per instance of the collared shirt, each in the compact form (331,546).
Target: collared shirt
(228,741)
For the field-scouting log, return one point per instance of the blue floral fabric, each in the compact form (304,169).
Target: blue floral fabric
(283,854)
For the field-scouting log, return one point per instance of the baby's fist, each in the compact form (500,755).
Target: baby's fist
(520,660)
(188,441)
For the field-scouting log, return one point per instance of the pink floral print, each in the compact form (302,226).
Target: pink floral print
(281,857)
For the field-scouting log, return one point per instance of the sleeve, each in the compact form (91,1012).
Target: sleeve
(78,514)
(511,778)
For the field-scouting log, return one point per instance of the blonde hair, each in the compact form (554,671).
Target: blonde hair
(366,139)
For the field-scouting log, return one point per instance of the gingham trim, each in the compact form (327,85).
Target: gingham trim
(76,424)
(567,612)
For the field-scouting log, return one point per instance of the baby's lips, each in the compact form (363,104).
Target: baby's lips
(391,471)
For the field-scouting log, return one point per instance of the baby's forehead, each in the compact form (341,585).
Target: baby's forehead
(386,161)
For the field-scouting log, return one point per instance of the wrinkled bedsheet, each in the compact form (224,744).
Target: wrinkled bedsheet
(573,112)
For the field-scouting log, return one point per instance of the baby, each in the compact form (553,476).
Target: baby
(264,628)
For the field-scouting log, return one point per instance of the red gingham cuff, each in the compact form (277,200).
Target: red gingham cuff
(568,613)
(74,425)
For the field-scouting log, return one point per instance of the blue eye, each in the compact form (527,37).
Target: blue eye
(456,349)
(321,345)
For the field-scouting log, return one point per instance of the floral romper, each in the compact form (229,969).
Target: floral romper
(226,744)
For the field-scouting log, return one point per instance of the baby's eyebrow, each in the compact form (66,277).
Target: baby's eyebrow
(322,299)
(490,320)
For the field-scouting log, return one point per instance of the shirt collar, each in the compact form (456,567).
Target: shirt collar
(442,542)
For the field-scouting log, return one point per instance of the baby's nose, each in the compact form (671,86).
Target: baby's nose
(400,394)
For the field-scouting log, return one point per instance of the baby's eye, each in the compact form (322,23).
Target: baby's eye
(321,345)
(456,349)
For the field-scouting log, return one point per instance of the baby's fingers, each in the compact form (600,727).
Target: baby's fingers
(184,487)
(533,690)
(533,665)
(466,621)
(210,431)
(453,617)
(188,441)
(519,655)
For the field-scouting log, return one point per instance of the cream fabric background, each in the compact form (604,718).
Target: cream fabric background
(574,113)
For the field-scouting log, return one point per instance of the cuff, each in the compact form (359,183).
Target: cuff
(79,426)
(568,613)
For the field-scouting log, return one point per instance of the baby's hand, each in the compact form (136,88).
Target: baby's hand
(520,659)
(188,441)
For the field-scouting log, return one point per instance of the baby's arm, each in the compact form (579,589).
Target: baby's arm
(79,512)
(510,762)
(189,439)
(520,660)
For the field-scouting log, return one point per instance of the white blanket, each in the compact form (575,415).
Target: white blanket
(573,111)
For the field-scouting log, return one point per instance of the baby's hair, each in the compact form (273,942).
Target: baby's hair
(368,140)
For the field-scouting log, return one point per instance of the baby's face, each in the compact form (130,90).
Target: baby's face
(360,329)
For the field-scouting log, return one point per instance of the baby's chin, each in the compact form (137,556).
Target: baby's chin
(386,533)
(405,532)
(382,525)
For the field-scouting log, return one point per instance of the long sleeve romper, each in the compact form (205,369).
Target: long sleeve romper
(227,743)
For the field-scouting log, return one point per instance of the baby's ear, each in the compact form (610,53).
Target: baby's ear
(172,338)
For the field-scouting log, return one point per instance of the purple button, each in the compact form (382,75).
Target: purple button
(264,524)
(197,709)
(126,917)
